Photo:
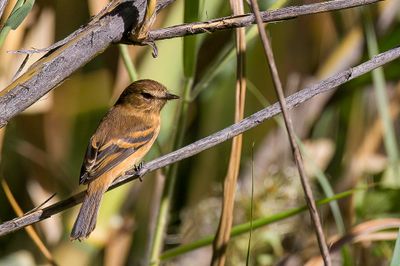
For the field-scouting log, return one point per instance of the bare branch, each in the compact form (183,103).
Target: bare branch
(87,42)
(248,19)
(214,139)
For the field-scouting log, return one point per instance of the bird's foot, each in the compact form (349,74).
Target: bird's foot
(137,169)
(145,41)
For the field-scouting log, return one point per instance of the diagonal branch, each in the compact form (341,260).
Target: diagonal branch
(214,139)
(305,182)
(111,27)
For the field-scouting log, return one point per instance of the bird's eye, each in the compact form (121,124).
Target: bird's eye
(147,95)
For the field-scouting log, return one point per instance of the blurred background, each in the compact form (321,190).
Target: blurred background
(348,137)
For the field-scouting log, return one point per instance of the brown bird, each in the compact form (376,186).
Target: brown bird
(123,137)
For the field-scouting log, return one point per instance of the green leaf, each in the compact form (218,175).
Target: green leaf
(20,14)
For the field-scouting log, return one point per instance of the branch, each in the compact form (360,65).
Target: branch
(248,19)
(214,139)
(110,27)
(65,57)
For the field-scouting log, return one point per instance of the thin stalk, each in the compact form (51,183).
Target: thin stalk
(191,13)
(251,206)
(328,191)
(166,197)
(378,78)
(130,67)
(225,223)
(29,229)
(289,127)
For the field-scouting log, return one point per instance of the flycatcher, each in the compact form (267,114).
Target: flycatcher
(123,137)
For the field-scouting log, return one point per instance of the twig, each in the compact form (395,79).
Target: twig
(246,20)
(21,67)
(127,60)
(292,137)
(89,41)
(41,204)
(214,139)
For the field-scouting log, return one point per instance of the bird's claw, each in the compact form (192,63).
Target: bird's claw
(140,35)
(153,45)
(148,42)
(137,169)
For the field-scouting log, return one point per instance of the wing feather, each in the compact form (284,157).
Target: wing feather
(101,158)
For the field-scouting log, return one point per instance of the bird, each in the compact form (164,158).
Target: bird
(123,137)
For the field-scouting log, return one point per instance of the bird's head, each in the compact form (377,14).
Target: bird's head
(146,94)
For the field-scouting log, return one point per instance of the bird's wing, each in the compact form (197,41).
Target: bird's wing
(102,156)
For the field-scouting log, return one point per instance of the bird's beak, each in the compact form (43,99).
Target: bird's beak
(170,96)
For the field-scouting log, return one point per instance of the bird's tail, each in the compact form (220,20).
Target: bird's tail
(86,220)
